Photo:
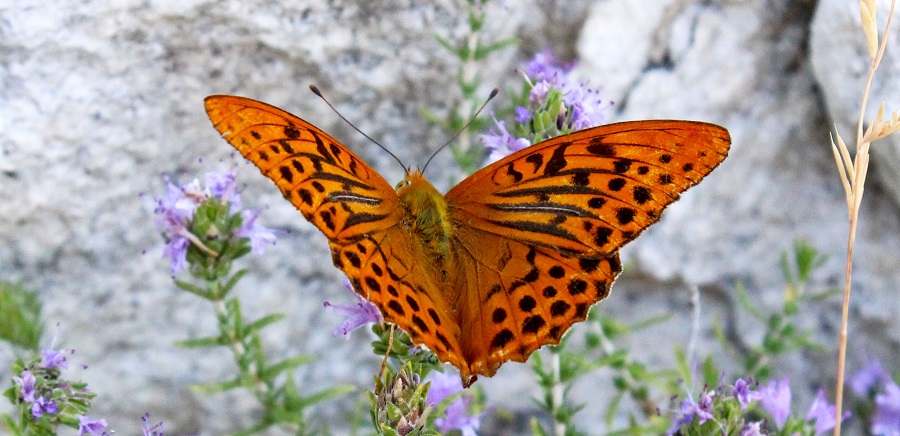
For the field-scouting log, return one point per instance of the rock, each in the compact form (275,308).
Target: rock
(98,101)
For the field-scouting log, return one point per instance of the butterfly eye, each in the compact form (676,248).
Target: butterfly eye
(402,184)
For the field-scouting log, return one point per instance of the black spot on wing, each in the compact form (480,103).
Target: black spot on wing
(291,132)
(557,161)
(536,159)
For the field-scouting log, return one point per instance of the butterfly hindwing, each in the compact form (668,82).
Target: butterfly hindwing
(590,192)
(330,185)
(526,295)
(388,269)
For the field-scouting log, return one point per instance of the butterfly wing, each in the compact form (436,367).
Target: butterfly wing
(392,270)
(354,207)
(529,295)
(590,192)
(538,232)
(330,185)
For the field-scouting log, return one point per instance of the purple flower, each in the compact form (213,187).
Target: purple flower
(776,399)
(457,413)
(176,208)
(27,382)
(822,413)
(259,236)
(42,406)
(93,427)
(538,95)
(752,429)
(544,66)
(587,107)
(176,251)
(522,115)
(355,315)
(224,187)
(743,393)
(868,378)
(887,411)
(174,211)
(502,144)
(583,105)
(51,358)
(148,430)
(702,409)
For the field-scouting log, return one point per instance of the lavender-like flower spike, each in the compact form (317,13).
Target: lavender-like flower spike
(823,413)
(42,406)
(224,187)
(51,358)
(176,208)
(355,315)
(744,394)
(27,382)
(150,430)
(868,378)
(776,399)
(543,66)
(457,413)
(702,409)
(753,429)
(93,427)
(887,411)
(259,236)
(503,143)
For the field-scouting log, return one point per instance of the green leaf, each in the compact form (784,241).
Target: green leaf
(259,324)
(745,302)
(327,394)
(20,310)
(209,341)
(194,289)
(223,386)
(285,365)
(483,51)
(229,285)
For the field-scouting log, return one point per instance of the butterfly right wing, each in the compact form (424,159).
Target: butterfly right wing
(331,186)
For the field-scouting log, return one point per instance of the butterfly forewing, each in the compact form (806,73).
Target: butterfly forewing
(331,186)
(590,192)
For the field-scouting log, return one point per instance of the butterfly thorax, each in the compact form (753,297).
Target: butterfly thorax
(425,212)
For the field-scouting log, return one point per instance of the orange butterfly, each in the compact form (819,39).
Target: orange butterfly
(507,260)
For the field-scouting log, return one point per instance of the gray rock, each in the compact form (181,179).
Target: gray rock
(97,100)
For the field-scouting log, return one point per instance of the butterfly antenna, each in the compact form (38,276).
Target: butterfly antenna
(494,93)
(316,91)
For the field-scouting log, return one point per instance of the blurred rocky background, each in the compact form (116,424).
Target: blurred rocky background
(97,99)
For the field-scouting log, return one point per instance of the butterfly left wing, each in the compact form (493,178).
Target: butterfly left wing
(538,232)
(590,192)
(330,185)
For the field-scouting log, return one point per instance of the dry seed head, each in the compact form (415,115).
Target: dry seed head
(870,25)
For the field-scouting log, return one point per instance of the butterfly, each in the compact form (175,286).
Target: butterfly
(508,259)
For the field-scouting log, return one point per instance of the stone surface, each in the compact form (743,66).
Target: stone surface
(97,100)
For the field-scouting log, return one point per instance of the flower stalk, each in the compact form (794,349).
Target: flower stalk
(853,174)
